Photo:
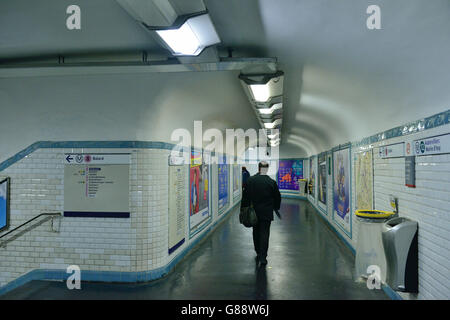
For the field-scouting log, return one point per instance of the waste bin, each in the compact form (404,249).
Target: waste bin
(401,248)
(369,250)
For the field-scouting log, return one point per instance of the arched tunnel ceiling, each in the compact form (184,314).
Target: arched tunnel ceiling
(343,82)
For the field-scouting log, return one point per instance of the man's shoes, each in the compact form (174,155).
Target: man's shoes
(262,262)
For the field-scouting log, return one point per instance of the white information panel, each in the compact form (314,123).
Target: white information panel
(97,185)
(432,145)
(392,151)
(177,206)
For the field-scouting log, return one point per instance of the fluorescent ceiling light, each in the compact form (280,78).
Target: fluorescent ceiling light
(182,41)
(191,37)
(270,110)
(274,143)
(261,92)
(272,125)
(275,140)
(264,87)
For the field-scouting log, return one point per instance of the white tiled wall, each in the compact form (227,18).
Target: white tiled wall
(428,203)
(139,243)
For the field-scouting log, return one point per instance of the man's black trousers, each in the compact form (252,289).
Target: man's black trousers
(261,234)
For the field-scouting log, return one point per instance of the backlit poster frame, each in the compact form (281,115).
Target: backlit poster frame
(312,179)
(290,171)
(198,168)
(237,174)
(322,181)
(5,185)
(358,159)
(223,181)
(342,193)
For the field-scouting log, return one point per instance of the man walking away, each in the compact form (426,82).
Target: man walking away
(263,193)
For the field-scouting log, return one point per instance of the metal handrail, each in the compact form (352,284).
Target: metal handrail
(38,216)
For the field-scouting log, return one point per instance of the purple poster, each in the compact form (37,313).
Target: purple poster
(341,189)
(289,172)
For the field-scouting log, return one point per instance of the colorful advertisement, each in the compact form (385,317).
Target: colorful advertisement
(4,190)
(364,180)
(223,185)
(312,177)
(323,179)
(236,177)
(341,189)
(289,174)
(198,193)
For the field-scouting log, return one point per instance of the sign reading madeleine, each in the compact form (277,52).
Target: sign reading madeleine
(97,185)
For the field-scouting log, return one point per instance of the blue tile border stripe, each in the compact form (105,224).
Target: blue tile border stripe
(390,292)
(114,276)
(90,145)
(431,122)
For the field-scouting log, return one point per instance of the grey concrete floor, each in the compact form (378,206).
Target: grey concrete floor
(306,261)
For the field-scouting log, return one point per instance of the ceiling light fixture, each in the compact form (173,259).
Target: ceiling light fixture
(265,92)
(190,34)
(263,86)
(272,125)
(270,110)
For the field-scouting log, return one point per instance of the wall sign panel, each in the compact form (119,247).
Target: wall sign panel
(177,209)
(97,185)
(433,145)
(396,150)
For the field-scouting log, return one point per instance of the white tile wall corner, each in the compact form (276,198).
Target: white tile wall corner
(149,208)
(99,244)
(428,203)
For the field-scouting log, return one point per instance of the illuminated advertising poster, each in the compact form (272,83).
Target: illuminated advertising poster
(322,193)
(236,178)
(312,177)
(223,187)
(341,189)
(4,190)
(198,193)
(364,180)
(289,174)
